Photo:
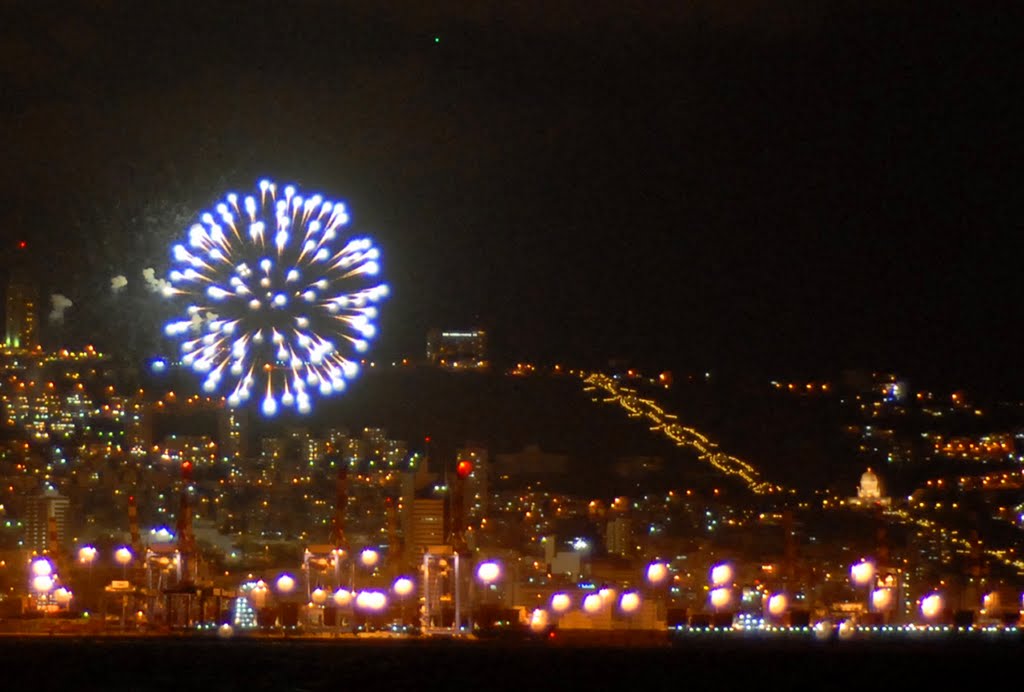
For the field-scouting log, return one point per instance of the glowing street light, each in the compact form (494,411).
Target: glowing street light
(630,602)
(374,601)
(560,603)
(41,567)
(720,597)
(42,584)
(861,573)
(657,572)
(488,572)
(721,575)
(592,603)
(63,597)
(607,595)
(931,606)
(342,597)
(539,620)
(285,584)
(369,558)
(777,605)
(87,555)
(319,596)
(123,557)
(403,586)
(258,593)
(881,599)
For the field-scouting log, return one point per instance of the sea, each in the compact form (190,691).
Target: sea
(194,664)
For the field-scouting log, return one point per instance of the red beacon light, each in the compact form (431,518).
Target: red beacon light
(464,468)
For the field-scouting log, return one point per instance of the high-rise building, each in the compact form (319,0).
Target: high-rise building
(619,536)
(457,349)
(426,527)
(38,511)
(22,325)
(233,432)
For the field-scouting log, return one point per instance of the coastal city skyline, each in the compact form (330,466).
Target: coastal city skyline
(509,330)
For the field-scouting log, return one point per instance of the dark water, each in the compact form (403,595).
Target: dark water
(211,664)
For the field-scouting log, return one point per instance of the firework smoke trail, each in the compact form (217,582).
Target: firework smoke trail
(60,303)
(118,283)
(278,299)
(155,284)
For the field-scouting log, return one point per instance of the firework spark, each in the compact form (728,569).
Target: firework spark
(279,298)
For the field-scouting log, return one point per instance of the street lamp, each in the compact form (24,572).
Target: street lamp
(560,603)
(342,597)
(42,584)
(285,584)
(657,572)
(319,596)
(863,575)
(87,555)
(720,597)
(402,587)
(41,567)
(63,597)
(777,605)
(931,606)
(488,572)
(592,603)
(630,602)
(258,593)
(123,557)
(369,558)
(721,575)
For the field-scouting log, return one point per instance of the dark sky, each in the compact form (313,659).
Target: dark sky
(780,186)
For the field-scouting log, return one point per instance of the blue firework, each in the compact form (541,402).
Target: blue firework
(280,299)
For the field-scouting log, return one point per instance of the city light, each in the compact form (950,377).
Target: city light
(403,586)
(87,555)
(488,572)
(342,598)
(42,583)
(369,557)
(592,603)
(777,604)
(630,602)
(657,572)
(285,584)
(41,567)
(123,556)
(371,600)
(881,599)
(861,573)
(932,605)
(720,597)
(561,602)
(721,575)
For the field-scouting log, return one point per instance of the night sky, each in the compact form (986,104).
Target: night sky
(777,187)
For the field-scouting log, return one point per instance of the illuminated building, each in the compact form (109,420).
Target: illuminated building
(869,492)
(39,509)
(619,536)
(426,526)
(457,349)
(233,425)
(22,323)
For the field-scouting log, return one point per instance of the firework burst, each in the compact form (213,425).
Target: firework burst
(279,298)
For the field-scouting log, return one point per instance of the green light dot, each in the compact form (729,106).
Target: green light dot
(437,39)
